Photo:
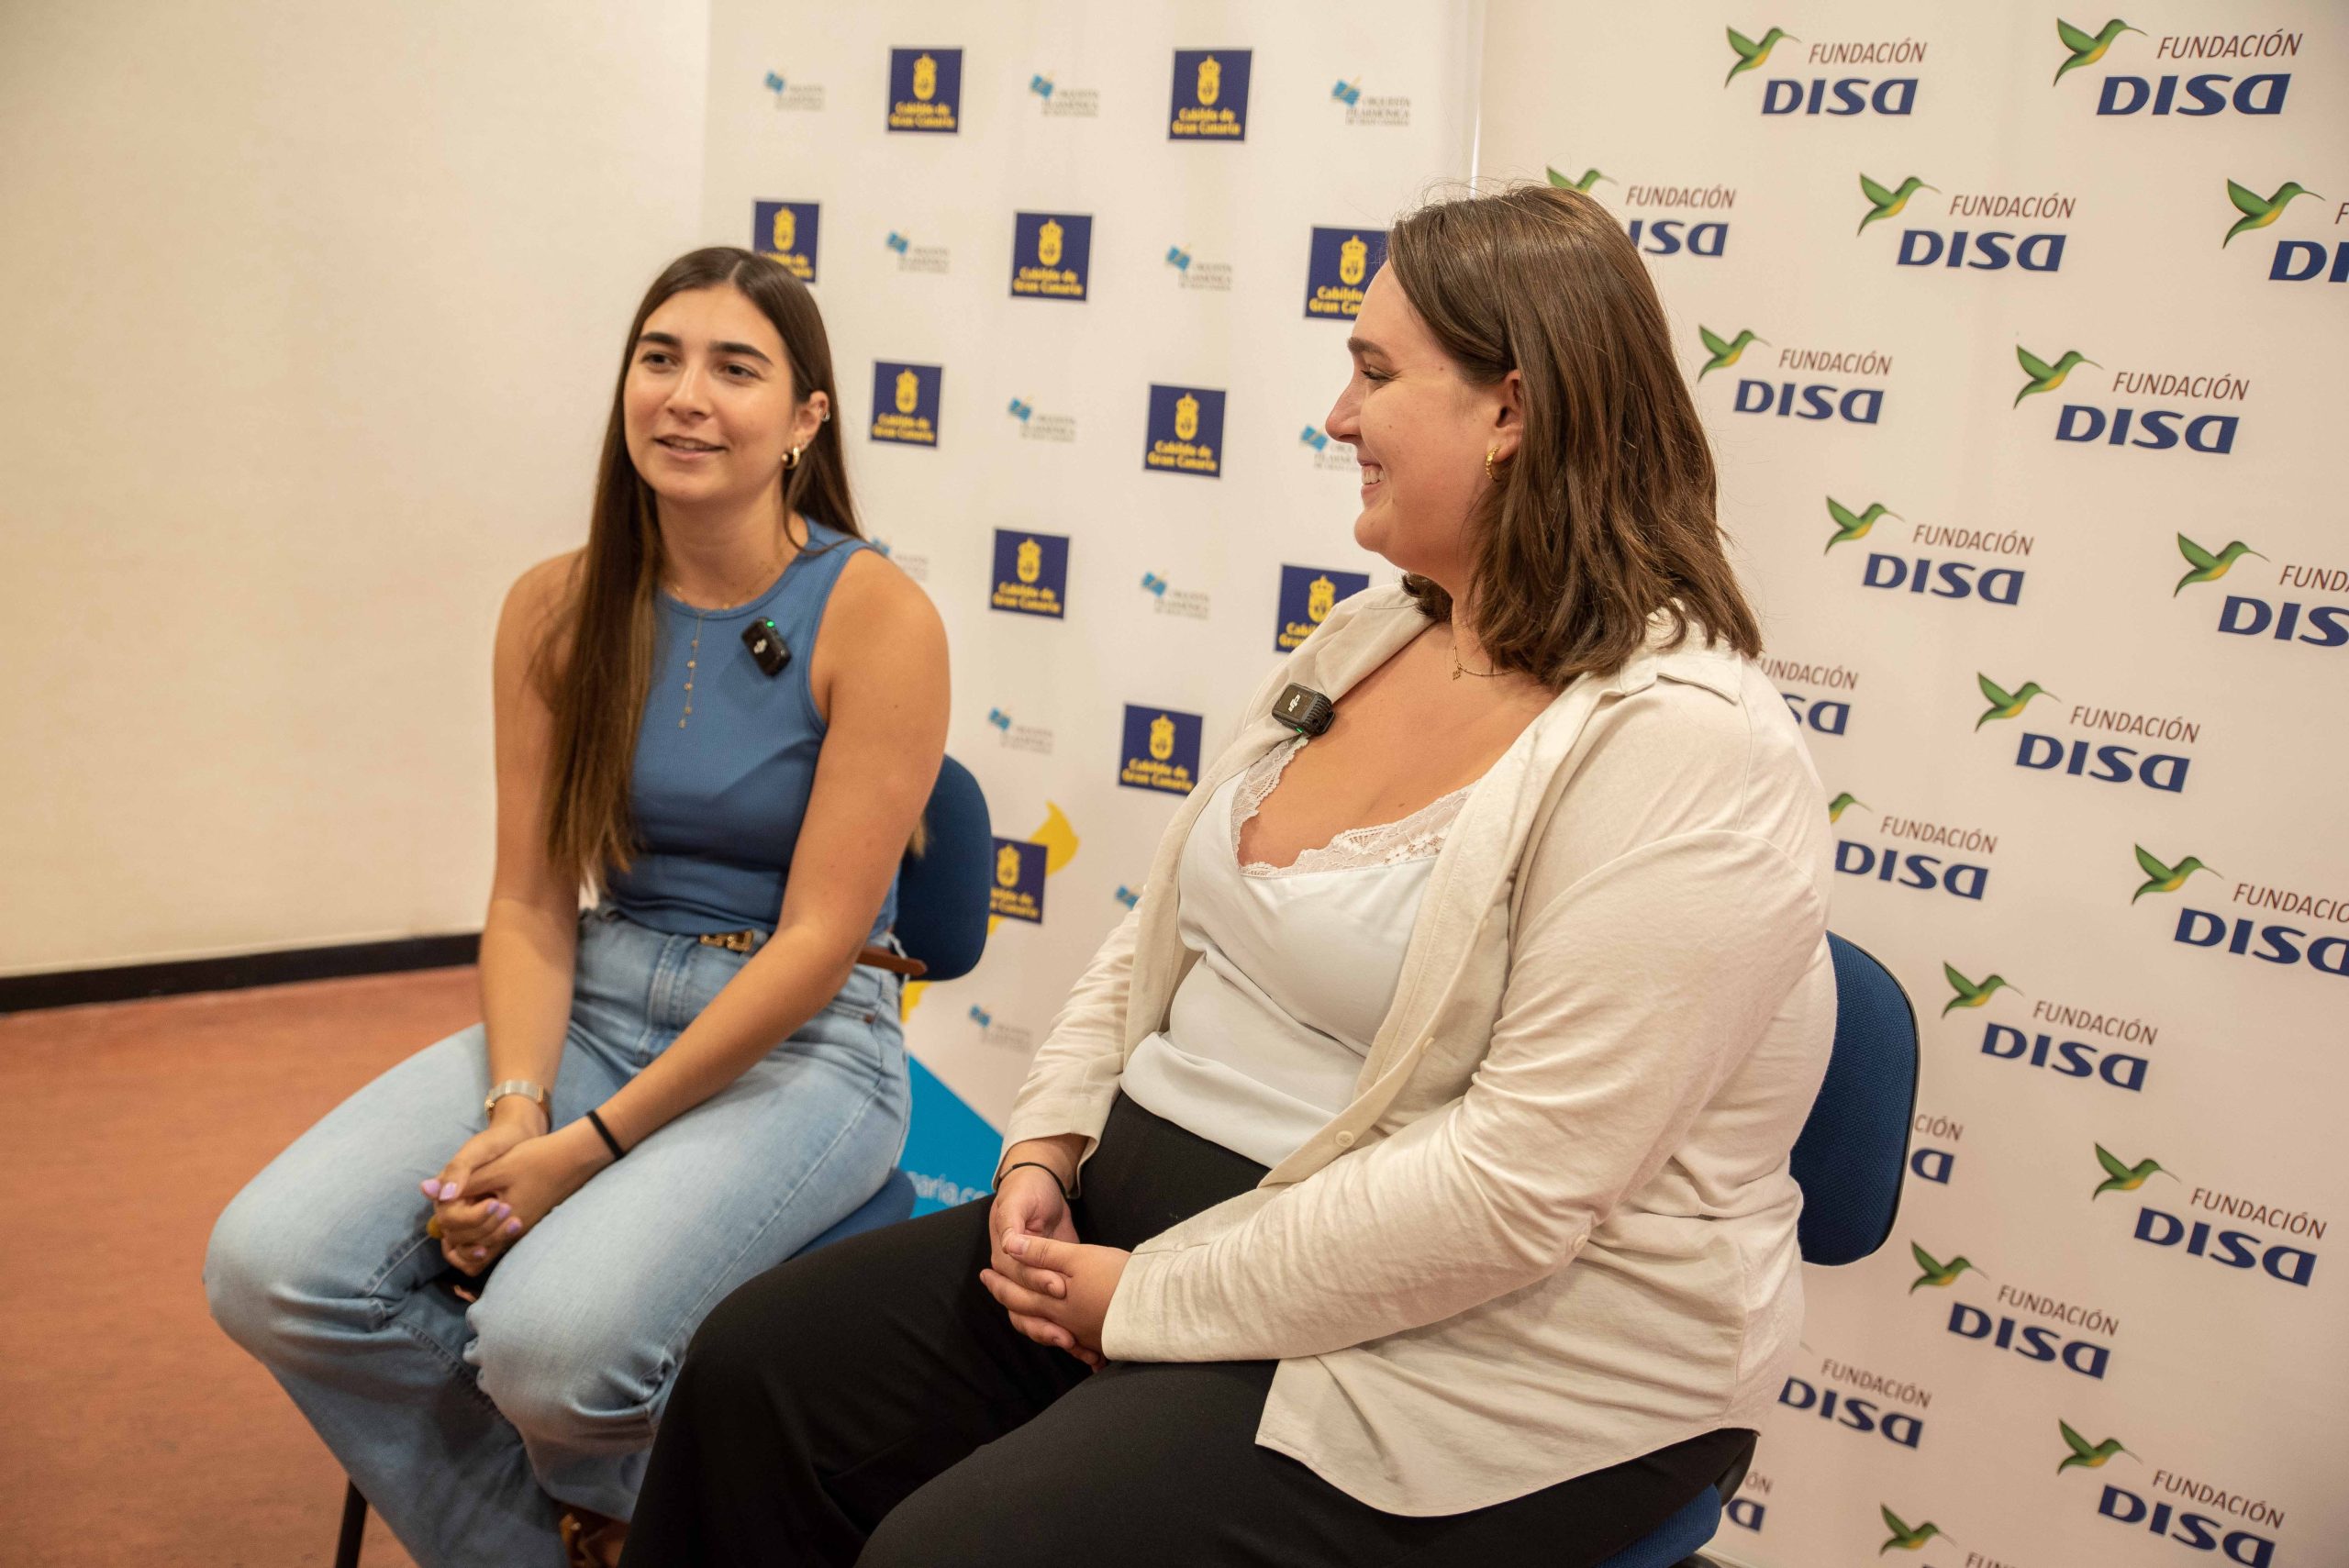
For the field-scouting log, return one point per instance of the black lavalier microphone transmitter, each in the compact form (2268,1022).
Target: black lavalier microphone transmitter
(766,644)
(1305,710)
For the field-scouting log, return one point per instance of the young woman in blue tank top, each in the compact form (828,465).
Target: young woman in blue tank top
(725,1017)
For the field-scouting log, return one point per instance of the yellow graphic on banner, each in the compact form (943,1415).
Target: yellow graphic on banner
(926,78)
(1210,81)
(1006,867)
(909,391)
(902,416)
(1186,417)
(1162,738)
(1354,257)
(1030,561)
(1059,843)
(1320,598)
(786,230)
(1048,244)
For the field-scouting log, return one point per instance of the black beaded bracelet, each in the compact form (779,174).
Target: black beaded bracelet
(1066,1195)
(606,1134)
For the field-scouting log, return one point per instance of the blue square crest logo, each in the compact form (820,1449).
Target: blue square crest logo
(1186,434)
(1210,95)
(1051,255)
(785,232)
(1017,892)
(1308,596)
(905,402)
(926,90)
(1031,574)
(1161,750)
(1339,267)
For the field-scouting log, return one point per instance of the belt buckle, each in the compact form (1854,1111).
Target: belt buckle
(732,941)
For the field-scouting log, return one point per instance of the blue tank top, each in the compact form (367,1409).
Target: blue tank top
(718,801)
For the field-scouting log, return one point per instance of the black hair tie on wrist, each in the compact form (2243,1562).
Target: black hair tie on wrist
(1066,1195)
(606,1134)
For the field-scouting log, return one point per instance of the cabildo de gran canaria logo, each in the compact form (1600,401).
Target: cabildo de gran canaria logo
(926,90)
(1308,596)
(2249,615)
(784,232)
(1186,431)
(1812,400)
(1655,236)
(1210,95)
(1018,891)
(2197,95)
(1051,255)
(2062,1058)
(905,402)
(1161,749)
(2003,1330)
(1823,95)
(1924,574)
(1982,251)
(1031,574)
(2296,260)
(1338,266)
(2148,429)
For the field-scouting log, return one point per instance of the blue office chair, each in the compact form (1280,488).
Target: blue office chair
(1848,1162)
(943,902)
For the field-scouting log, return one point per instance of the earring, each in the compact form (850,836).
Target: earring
(792,461)
(1490,452)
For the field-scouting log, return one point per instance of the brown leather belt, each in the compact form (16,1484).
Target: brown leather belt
(752,941)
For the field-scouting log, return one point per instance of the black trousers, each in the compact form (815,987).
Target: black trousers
(869,1403)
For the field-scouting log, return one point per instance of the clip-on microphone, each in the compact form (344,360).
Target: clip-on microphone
(766,643)
(1305,710)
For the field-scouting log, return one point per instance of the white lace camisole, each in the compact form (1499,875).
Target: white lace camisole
(1297,966)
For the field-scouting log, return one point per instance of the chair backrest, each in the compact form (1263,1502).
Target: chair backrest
(942,893)
(1854,1145)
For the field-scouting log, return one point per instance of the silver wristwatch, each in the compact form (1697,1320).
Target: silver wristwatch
(522,1086)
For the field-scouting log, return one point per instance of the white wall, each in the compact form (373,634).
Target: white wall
(312,314)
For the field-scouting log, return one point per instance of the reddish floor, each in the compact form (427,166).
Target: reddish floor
(134,1432)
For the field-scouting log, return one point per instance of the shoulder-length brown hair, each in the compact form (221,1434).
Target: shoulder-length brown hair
(596,662)
(1605,515)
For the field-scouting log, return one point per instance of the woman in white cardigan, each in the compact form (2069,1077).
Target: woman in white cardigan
(1406,1179)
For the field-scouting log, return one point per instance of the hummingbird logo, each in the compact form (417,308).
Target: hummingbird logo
(1969,995)
(2087,49)
(2207,568)
(1750,54)
(1849,526)
(2124,1178)
(2002,704)
(2085,1454)
(2045,377)
(2165,879)
(2259,213)
(1887,203)
(1837,806)
(1938,1274)
(1590,178)
(1904,1537)
(1724,350)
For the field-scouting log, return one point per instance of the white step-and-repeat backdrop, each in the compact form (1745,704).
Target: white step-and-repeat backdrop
(2022,339)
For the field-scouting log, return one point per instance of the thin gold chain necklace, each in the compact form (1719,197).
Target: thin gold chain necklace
(692,655)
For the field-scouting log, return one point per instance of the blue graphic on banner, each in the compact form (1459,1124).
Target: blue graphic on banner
(1308,594)
(926,90)
(951,1150)
(1019,890)
(1341,264)
(905,402)
(1051,255)
(785,232)
(1210,95)
(1185,433)
(1161,749)
(1031,574)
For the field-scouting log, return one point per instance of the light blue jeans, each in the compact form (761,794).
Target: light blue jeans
(467,1427)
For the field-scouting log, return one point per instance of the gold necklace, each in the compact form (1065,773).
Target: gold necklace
(692,655)
(1457,671)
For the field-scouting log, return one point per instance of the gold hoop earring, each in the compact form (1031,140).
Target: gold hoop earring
(792,461)
(1490,452)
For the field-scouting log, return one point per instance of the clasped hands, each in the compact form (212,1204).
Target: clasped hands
(1055,1288)
(506,1179)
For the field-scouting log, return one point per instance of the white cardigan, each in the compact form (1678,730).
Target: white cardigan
(1554,1230)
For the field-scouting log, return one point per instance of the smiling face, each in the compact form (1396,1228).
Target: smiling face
(709,408)
(1421,431)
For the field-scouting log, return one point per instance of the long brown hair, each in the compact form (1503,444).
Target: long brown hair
(1604,514)
(596,662)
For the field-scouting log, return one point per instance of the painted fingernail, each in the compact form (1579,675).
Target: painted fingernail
(448,1190)
(478,1252)
(431,1185)
(513,1227)
(500,1210)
